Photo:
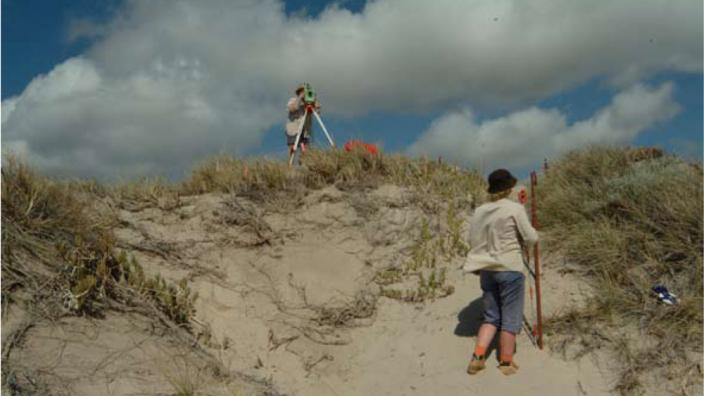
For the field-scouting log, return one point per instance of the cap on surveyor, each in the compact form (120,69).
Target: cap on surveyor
(300,87)
(500,180)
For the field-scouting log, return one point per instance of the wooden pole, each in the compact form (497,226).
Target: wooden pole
(536,252)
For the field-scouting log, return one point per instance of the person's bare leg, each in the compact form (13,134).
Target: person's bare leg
(290,154)
(303,151)
(507,344)
(486,334)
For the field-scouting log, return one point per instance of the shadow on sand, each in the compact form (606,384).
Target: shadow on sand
(469,320)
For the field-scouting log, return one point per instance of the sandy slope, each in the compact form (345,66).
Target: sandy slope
(423,350)
(120,354)
(261,291)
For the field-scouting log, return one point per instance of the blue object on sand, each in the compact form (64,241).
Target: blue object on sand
(664,295)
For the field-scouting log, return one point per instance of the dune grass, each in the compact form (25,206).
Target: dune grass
(628,221)
(60,254)
(356,169)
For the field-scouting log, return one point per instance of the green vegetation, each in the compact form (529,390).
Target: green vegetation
(627,220)
(428,263)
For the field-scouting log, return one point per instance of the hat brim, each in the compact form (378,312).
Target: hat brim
(503,186)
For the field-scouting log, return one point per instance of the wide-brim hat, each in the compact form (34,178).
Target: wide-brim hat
(500,180)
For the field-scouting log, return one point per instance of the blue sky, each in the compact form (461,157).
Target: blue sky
(385,93)
(35,37)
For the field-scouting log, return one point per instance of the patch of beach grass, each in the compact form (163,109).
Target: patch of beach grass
(629,221)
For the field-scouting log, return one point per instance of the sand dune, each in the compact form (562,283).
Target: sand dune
(264,290)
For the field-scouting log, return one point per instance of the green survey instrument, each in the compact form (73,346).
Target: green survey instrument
(308,94)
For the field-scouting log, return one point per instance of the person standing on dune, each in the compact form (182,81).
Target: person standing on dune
(297,115)
(499,232)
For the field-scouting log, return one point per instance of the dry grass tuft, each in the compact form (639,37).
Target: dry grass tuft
(145,193)
(62,254)
(434,182)
(630,219)
(229,175)
(363,306)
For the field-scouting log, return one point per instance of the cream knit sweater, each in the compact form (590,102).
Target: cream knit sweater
(496,232)
(296,113)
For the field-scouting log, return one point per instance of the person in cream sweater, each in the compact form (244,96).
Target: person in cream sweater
(499,233)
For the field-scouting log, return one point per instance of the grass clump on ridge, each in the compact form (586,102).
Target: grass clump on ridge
(433,182)
(230,175)
(629,219)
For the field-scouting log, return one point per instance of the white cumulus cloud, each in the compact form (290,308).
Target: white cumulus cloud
(168,82)
(524,138)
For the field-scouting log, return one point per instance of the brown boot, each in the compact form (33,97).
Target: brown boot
(508,368)
(476,364)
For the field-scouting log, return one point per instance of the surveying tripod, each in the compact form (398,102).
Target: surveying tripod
(309,110)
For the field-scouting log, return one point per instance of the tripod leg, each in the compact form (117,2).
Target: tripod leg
(298,139)
(317,117)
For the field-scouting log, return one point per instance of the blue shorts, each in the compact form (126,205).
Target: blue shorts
(504,293)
